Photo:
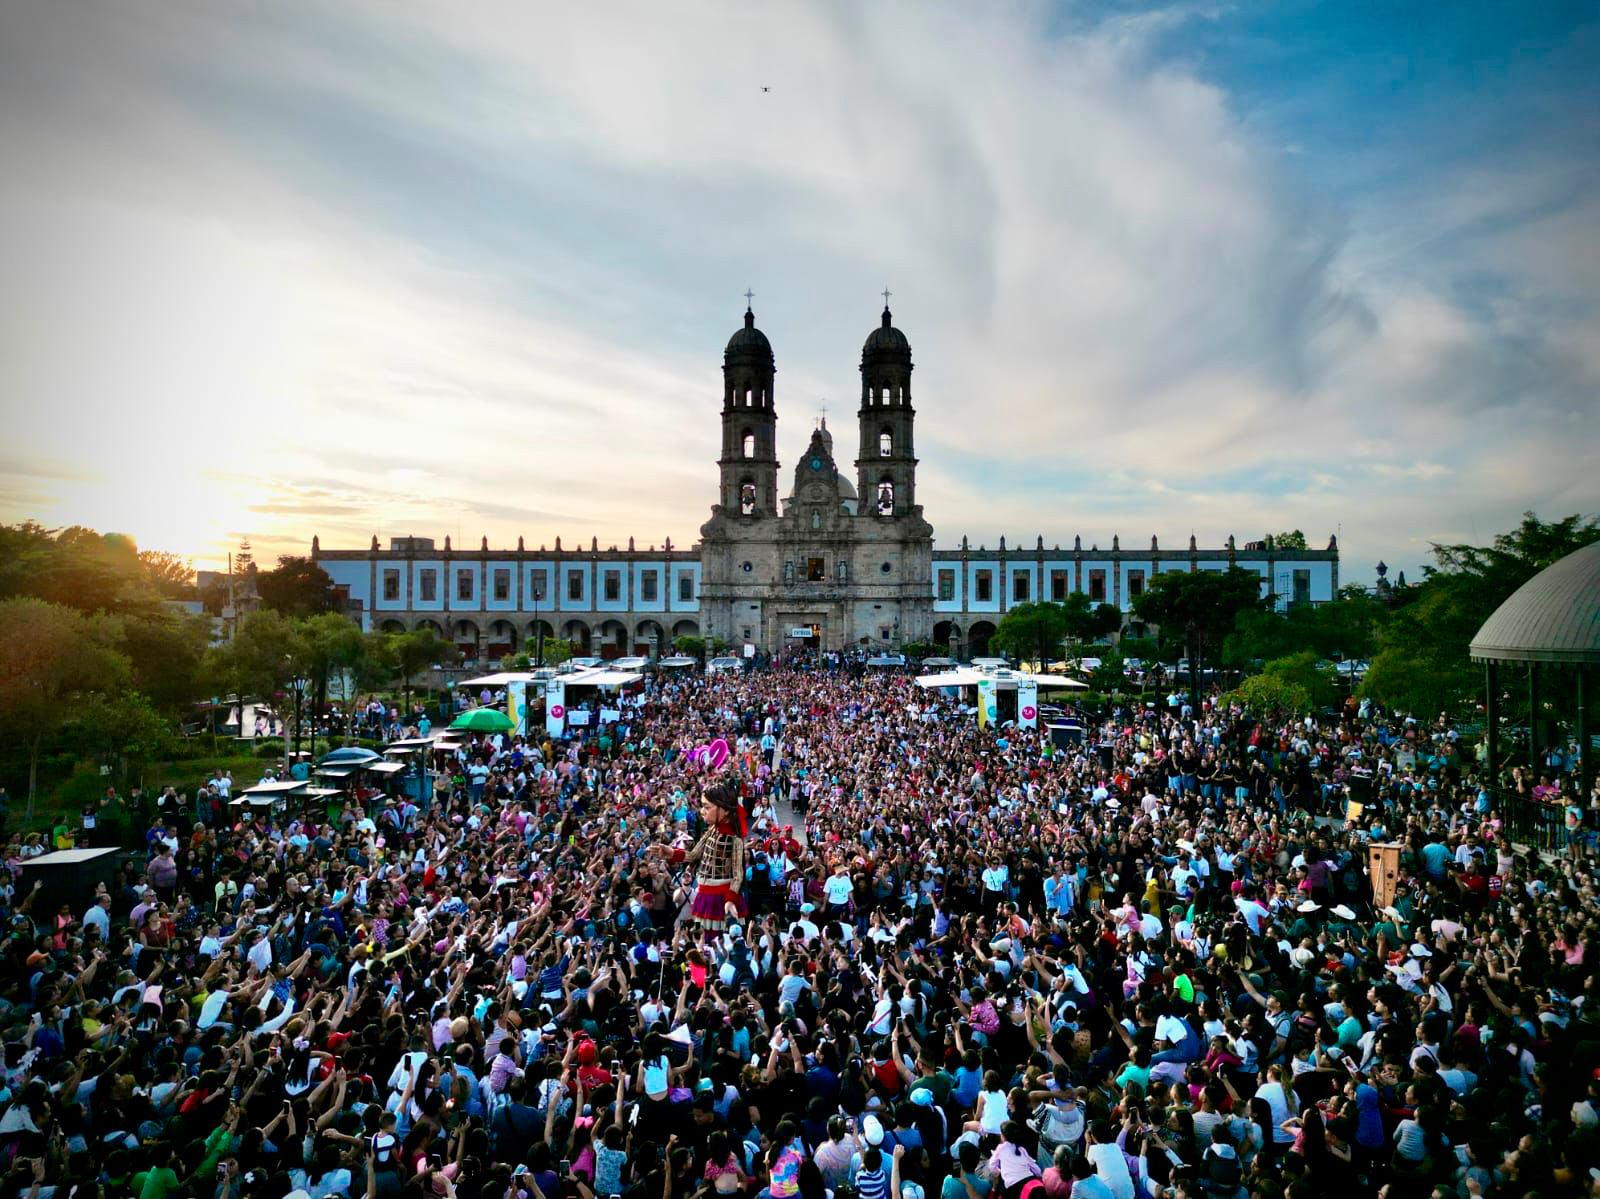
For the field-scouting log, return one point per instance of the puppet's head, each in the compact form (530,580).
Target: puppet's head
(723,807)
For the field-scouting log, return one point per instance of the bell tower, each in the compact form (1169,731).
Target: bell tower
(749,462)
(886,465)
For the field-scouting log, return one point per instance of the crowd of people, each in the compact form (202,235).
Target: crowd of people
(953,963)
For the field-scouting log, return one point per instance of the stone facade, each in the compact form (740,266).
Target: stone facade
(848,564)
(835,563)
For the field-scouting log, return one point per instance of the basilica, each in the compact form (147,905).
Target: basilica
(835,563)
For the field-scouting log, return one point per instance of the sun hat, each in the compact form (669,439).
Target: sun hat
(1309,905)
(1343,912)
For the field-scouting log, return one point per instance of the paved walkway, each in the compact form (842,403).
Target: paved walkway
(783,810)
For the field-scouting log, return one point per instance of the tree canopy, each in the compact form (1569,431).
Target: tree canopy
(53,661)
(1032,630)
(1422,665)
(297,587)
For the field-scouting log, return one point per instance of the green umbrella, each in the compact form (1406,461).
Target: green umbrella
(483,720)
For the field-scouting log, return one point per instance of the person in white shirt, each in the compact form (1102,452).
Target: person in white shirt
(1105,1156)
(260,954)
(995,877)
(838,890)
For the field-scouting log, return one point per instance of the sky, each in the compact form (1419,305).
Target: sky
(357,269)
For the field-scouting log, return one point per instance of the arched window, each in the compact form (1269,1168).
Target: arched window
(886,497)
(747,444)
(747,497)
(885,443)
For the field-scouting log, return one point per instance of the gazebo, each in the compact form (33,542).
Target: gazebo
(1551,620)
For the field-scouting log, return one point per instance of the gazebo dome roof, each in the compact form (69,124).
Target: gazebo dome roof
(1553,617)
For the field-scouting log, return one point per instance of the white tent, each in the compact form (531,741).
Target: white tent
(967,677)
(504,677)
(600,676)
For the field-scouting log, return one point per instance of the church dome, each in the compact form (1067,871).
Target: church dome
(748,341)
(886,339)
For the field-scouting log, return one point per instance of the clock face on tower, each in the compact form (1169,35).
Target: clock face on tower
(816,464)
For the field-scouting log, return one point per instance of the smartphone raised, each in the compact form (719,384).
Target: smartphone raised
(566,1167)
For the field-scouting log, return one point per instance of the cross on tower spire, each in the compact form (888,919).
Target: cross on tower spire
(748,296)
(886,294)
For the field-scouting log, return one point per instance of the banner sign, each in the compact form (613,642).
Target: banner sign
(517,707)
(987,710)
(1027,704)
(555,707)
(610,715)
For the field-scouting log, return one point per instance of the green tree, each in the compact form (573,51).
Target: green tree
(52,661)
(75,567)
(1302,670)
(690,647)
(1032,630)
(557,650)
(169,574)
(1104,619)
(165,649)
(122,729)
(1199,608)
(1422,666)
(1345,628)
(419,651)
(260,661)
(1108,678)
(1272,697)
(330,644)
(297,587)
(1295,540)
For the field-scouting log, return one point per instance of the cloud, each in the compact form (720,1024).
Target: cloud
(472,267)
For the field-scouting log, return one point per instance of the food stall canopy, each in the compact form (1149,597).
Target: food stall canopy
(601,677)
(339,772)
(282,787)
(501,678)
(411,744)
(1003,682)
(256,799)
(387,767)
(677,663)
(318,793)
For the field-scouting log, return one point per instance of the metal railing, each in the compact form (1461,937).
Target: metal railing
(1531,823)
